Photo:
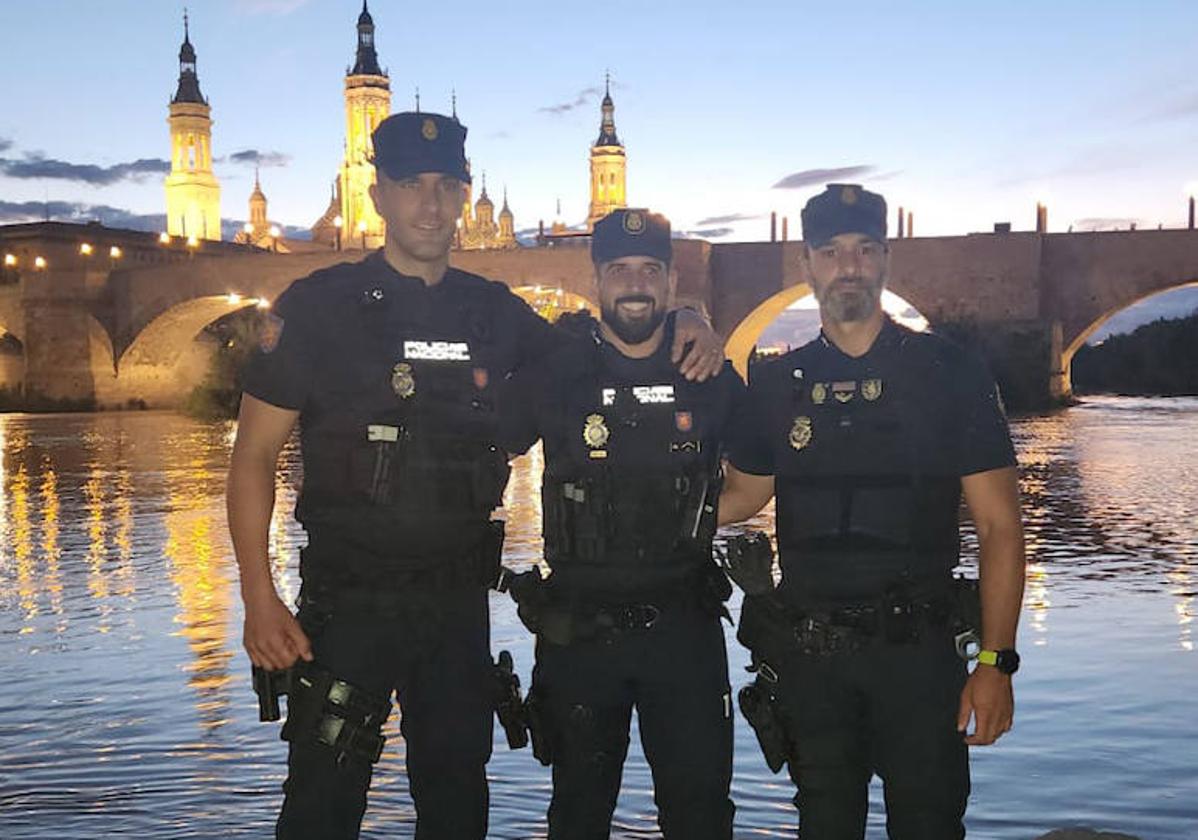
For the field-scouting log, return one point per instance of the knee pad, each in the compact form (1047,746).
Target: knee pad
(332,712)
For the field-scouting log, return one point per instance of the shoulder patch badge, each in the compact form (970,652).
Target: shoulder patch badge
(270,331)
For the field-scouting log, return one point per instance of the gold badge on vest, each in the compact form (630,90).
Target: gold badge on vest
(800,433)
(871,389)
(595,434)
(403,381)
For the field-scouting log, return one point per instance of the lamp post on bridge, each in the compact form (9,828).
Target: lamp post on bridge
(338,223)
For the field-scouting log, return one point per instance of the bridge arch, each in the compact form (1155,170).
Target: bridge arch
(1070,349)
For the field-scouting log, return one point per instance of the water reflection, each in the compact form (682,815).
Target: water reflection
(112,535)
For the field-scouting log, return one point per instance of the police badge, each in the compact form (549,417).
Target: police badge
(595,433)
(403,383)
(800,433)
(634,222)
(819,393)
(871,389)
(429,130)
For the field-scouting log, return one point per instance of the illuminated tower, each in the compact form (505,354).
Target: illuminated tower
(258,209)
(192,191)
(507,225)
(367,103)
(484,214)
(608,163)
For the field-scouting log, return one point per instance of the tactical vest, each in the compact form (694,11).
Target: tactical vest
(632,479)
(404,468)
(865,485)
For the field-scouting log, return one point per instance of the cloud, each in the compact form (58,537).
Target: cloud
(1178,107)
(732,217)
(16,212)
(75,211)
(582,98)
(258,158)
(5,144)
(1099,223)
(35,166)
(707,233)
(819,177)
(499,135)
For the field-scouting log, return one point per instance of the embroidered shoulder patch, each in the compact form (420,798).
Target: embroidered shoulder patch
(270,332)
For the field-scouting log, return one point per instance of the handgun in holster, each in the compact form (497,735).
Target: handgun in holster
(270,686)
(538,728)
(967,617)
(509,706)
(760,708)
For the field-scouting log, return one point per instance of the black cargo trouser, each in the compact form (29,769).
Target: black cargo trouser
(435,655)
(675,674)
(890,709)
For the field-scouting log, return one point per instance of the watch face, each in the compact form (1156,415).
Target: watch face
(1007,661)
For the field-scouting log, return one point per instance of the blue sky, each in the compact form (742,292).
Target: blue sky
(966,113)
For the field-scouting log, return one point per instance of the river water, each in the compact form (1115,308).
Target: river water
(125,704)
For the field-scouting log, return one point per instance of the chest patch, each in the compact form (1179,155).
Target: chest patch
(800,433)
(437,351)
(643,394)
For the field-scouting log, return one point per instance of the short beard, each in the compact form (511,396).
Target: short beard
(850,299)
(632,333)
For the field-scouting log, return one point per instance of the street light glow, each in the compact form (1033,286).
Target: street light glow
(263,303)
(275,233)
(39,263)
(85,249)
(362,226)
(10,260)
(115,252)
(338,222)
(233,298)
(193,241)
(248,228)
(164,238)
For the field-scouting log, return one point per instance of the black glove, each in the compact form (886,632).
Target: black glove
(749,560)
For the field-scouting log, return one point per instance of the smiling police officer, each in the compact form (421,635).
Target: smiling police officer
(630,614)
(390,367)
(869,434)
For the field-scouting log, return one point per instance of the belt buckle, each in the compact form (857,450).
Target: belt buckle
(643,616)
(766,672)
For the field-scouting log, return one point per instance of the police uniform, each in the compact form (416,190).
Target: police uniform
(867,454)
(394,382)
(631,615)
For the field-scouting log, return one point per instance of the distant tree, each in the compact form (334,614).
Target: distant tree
(1159,358)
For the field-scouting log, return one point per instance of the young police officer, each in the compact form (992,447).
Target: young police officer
(868,435)
(390,366)
(630,615)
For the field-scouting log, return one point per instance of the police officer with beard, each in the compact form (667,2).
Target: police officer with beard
(390,367)
(868,435)
(629,615)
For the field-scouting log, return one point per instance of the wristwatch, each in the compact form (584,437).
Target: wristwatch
(1005,660)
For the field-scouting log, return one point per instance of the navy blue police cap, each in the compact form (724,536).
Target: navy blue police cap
(844,208)
(410,143)
(631,232)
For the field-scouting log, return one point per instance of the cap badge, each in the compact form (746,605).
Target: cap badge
(429,130)
(848,195)
(634,222)
(403,383)
(800,433)
(595,433)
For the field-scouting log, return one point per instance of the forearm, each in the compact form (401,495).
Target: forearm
(250,500)
(1001,569)
(743,497)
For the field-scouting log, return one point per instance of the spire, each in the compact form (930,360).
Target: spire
(257,193)
(505,210)
(453,99)
(189,83)
(484,198)
(607,128)
(366,62)
(417,99)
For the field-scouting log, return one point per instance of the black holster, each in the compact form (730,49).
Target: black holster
(537,719)
(760,707)
(509,707)
(329,711)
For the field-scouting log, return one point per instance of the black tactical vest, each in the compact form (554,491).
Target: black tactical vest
(866,490)
(402,466)
(631,474)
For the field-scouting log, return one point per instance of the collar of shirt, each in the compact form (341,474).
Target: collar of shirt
(887,338)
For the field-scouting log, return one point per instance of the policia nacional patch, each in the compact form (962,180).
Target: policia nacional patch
(800,433)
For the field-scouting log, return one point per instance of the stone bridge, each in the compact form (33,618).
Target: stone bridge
(110,327)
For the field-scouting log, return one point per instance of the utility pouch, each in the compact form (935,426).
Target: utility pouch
(537,719)
(332,712)
(967,617)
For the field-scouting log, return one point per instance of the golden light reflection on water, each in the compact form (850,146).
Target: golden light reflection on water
(22,547)
(203,589)
(51,553)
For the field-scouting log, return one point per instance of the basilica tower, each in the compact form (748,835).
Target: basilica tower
(367,103)
(192,191)
(608,163)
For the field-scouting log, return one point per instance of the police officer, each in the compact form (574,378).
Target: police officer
(390,366)
(630,613)
(868,435)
